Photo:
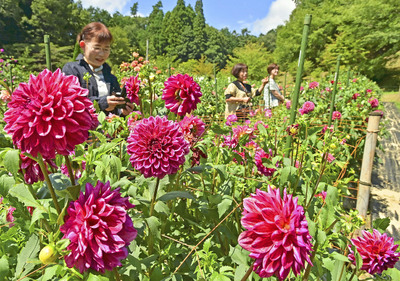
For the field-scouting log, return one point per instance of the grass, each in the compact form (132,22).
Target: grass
(392,97)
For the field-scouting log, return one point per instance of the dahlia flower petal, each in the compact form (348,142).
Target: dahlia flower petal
(274,224)
(98,242)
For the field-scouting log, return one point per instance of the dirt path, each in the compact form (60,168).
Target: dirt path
(385,191)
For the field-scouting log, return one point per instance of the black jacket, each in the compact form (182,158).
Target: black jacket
(80,67)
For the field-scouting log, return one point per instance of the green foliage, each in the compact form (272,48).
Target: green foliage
(255,56)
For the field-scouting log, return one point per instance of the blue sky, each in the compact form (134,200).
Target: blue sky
(258,16)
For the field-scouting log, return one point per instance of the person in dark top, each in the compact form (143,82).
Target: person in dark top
(94,73)
(238,93)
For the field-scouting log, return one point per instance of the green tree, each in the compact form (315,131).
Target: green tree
(59,18)
(177,29)
(200,37)
(255,56)
(154,29)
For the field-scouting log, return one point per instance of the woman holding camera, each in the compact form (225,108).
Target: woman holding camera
(94,73)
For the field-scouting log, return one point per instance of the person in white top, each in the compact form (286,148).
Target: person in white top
(272,93)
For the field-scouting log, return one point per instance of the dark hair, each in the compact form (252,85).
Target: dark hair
(271,67)
(237,68)
(95,30)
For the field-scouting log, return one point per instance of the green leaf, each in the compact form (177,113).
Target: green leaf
(381,224)
(21,192)
(339,257)
(93,277)
(30,251)
(154,226)
(176,194)
(11,161)
(224,206)
(239,255)
(50,272)
(5,183)
(4,267)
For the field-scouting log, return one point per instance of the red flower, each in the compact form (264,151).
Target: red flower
(51,113)
(258,158)
(377,251)
(132,87)
(276,233)
(32,171)
(336,115)
(181,94)
(99,228)
(157,147)
(192,127)
(313,85)
(374,102)
(10,217)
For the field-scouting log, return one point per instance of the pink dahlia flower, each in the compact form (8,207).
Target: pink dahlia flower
(268,113)
(99,228)
(10,217)
(355,96)
(288,104)
(276,233)
(313,85)
(181,94)
(374,102)
(321,195)
(157,147)
(231,119)
(336,115)
(32,172)
(192,126)
(258,159)
(377,251)
(307,107)
(132,87)
(51,113)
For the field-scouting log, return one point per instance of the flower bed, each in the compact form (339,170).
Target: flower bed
(160,196)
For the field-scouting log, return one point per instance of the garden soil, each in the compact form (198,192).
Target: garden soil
(385,190)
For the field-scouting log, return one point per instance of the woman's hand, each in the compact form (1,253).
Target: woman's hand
(265,80)
(128,109)
(113,101)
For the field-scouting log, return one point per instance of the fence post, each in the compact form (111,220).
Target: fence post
(295,100)
(364,187)
(47,50)
(334,90)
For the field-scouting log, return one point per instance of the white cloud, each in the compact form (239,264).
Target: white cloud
(278,13)
(110,5)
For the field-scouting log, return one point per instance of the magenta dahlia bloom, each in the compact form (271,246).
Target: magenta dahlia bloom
(258,159)
(50,114)
(374,102)
(336,115)
(99,228)
(32,172)
(313,85)
(181,94)
(157,147)
(192,126)
(307,107)
(231,119)
(288,104)
(276,233)
(355,96)
(132,87)
(377,251)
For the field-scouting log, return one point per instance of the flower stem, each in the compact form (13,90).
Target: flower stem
(116,274)
(153,201)
(49,185)
(249,271)
(70,172)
